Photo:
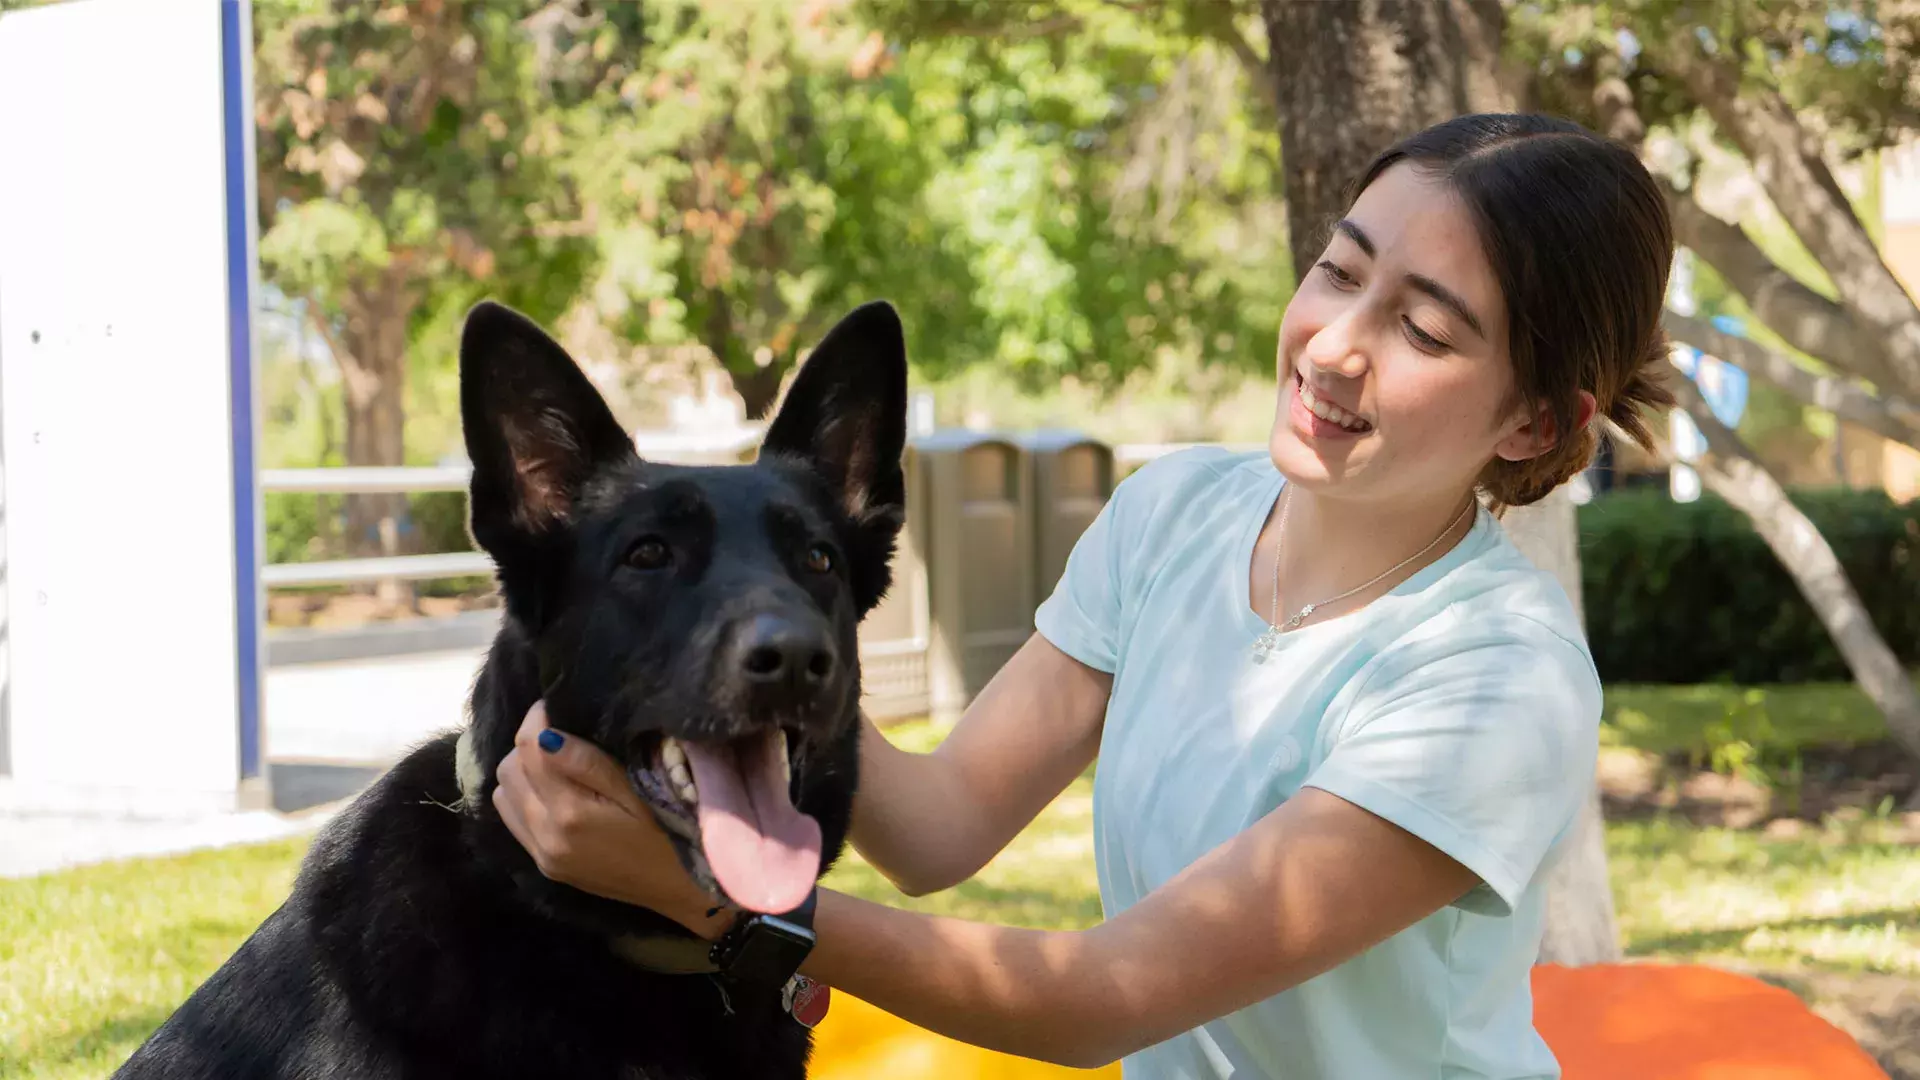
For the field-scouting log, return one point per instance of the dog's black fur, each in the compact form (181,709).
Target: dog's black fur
(420,939)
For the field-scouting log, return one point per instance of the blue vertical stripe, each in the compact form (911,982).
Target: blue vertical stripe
(235,53)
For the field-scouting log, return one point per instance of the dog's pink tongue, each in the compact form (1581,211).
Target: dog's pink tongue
(763,852)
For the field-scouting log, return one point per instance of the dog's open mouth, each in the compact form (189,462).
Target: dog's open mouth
(728,807)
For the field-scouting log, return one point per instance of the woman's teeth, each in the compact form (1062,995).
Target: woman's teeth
(1331,413)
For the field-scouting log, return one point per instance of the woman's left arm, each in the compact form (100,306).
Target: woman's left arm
(1314,882)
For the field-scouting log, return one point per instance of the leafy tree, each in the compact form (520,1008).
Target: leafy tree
(1783,91)
(405,162)
(778,164)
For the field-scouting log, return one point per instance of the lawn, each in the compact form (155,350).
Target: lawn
(1699,719)
(93,959)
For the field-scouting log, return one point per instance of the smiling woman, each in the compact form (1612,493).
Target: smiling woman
(1342,724)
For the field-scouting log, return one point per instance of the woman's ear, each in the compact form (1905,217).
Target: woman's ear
(1538,433)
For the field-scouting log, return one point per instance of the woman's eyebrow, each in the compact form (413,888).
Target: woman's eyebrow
(1447,297)
(1357,235)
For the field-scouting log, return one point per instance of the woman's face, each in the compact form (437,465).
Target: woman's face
(1394,376)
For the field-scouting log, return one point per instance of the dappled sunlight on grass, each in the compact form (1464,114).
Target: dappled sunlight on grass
(1044,880)
(1827,899)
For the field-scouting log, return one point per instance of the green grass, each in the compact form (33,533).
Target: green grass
(1839,900)
(1699,719)
(1043,880)
(92,959)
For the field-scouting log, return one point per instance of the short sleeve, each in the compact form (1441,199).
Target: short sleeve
(1483,745)
(1081,617)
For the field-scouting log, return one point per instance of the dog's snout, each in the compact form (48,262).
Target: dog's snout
(785,657)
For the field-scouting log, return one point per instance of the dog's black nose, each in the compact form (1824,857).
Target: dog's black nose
(785,656)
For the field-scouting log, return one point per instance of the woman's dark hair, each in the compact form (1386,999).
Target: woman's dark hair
(1581,243)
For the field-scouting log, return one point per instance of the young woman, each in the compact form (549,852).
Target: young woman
(1342,724)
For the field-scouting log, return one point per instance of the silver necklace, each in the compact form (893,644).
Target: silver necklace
(1269,639)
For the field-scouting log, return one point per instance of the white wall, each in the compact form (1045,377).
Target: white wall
(118,355)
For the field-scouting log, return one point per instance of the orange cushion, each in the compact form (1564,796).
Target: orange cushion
(1604,1022)
(1686,1022)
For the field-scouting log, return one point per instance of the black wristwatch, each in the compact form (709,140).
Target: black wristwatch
(766,950)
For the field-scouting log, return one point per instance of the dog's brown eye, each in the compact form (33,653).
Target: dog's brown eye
(819,560)
(649,554)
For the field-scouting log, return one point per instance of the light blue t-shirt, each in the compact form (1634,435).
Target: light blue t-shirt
(1463,707)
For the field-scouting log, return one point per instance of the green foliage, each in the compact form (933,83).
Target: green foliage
(309,528)
(405,146)
(1759,733)
(1849,66)
(301,527)
(1689,593)
(768,167)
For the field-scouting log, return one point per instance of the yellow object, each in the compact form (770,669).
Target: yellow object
(858,1041)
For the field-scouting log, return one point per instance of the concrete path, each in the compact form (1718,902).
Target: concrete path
(331,729)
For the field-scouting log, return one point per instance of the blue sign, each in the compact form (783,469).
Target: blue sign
(1722,384)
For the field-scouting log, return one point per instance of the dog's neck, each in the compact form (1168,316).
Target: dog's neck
(658,953)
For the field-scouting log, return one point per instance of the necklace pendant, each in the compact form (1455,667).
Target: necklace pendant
(1300,617)
(1264,645)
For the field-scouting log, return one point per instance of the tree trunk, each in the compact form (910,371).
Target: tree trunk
(1730,469)
(1350,78)
(372,353)
(759,388)
(1580,918)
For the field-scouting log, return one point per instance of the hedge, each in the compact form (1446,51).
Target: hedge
(1689,593)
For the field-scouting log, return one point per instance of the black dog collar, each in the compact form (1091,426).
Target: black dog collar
(758,950)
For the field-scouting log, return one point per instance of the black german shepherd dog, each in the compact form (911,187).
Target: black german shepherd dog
(698,623)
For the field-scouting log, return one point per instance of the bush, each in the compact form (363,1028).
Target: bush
(310,528)
(1689,593)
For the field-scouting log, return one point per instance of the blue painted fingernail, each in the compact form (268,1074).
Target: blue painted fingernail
(551,741)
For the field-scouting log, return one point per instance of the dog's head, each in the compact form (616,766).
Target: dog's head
(699,623)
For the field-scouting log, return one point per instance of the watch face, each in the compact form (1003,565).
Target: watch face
(770,951)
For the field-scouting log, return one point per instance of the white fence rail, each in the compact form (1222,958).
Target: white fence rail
(409,479)
(402,480)
(366,480)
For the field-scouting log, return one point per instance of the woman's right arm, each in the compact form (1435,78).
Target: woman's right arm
(930,821)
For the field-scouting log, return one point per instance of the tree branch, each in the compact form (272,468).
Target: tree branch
(1733,472)
(1806,320)
(1218,25)
(1786,158)
(1892,417)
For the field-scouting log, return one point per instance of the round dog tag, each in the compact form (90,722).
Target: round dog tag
(805,1000)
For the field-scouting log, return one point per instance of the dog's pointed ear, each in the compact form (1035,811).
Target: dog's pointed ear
(845,417)
(535,427)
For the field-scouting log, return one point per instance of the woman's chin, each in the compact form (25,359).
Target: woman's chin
(1297,461)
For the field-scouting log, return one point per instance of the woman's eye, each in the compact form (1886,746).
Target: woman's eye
(1336,275)
(651,553)
(1423,340)
(819,559)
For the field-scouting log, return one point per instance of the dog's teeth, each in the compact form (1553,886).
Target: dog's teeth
(671,755)
(682,780)
(786,763)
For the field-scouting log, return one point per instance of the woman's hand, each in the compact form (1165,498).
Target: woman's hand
(569,804)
